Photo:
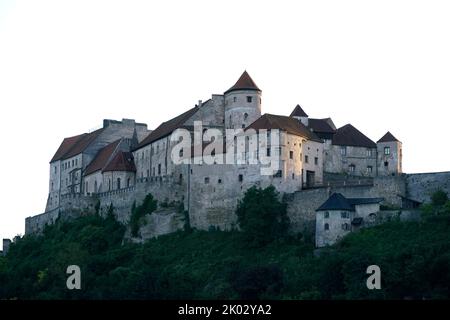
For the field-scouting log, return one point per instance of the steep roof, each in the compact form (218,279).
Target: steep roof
(338,202)
(102,158)
(288,124)
(388,137)
(298,112)
(166,128)
(320,125)
(348,135)
(75,145)
(122,161)
(245,82)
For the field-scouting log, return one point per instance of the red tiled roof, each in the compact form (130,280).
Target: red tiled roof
(65,146)
(288,124)
(122,161)
(101,159)
(348,135)
(388,137)
(167,127)
(298,112)
(245,82)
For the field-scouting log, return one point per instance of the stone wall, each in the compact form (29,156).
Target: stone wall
(421,186)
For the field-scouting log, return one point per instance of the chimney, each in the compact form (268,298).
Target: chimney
(199,103)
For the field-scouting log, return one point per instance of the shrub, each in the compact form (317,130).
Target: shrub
(439,198)
(137,212)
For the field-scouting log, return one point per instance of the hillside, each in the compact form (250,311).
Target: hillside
(414,259)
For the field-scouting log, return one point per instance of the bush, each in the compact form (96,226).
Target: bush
(439,198)
(137,213)
(261,216)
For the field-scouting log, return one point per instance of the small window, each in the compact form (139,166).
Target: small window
(293,176)
(326,214)
(345,226)
(306,159)
(386,164)
(234,99)
(243,126)
(316,161)
(159,169)
(206,180)
(387,151)
(180,178)
(278,174)
(369,152)
(219,181)
(291,154)
(249,99)
(268,152)
(326,226)
(245,116)
(181,153)
(301,156)
(148,173)
(351,168)
(56,169)
(241,178)
(345,215)
(369,169)
(344,151)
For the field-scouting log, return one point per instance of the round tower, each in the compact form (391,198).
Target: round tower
(242,103)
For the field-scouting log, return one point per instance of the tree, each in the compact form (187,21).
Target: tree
(262,216)
(439,198)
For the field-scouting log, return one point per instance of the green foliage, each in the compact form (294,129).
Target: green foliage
(439,198)
(261,216)
(138,212)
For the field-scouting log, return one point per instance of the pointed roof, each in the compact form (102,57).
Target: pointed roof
(102,158)
(288,124)
(65,146)
(388,137)
(298,112)
(348,135)
(338,202)
(122,161)
(320,125)
(245,82)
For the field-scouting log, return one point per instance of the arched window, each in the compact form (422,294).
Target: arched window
(327,226)
(128,183)
(118,183)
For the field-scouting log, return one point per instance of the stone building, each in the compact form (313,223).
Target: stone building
(339,216)
(389,155)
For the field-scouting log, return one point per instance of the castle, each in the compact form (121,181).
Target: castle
(123,161)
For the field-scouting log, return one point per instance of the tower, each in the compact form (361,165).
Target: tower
(300,115)
(389,150)
(242,103)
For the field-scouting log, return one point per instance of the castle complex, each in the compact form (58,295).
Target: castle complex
(123,161)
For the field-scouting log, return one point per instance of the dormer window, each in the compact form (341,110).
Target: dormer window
(249,99)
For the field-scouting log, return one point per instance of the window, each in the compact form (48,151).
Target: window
(153,171)
(316,161)
(181,153)
(219,181)
(249,99)
(369,169)
(180,179)
(245,116)
(148,173)
(345,215)
(142,155)
(345,226)
(268,152)
(326,227)
(351,168)
(387,151)
(76,161)
(293,176)
(326,215)
(159,169)
(206,180)
(306,159)
(52,186)
(118,183)
(109,184)
(243,126)
(278,174)
(241,178)
(56,169)
(234,99)
(369,152)
(291,154)
(386,164)
(128,183)
(95,186)
(301,156)
(344,151)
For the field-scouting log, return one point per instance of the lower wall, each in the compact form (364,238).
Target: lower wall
(421,186)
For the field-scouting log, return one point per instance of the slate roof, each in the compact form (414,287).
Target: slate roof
(122,161)
(102,158)
(288,124)
(338,202)
(166,128)
(320,125)
(298,112)
(245,82)
(388,137)
(75,145)
(348,135)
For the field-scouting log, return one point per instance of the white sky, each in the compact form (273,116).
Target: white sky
(67,65)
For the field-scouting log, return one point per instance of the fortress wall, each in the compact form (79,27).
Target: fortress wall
(420,186)
(36,224)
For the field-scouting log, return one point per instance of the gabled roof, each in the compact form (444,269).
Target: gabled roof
(288,124)
(320,125)
(348,135)
(338,202)
(102,158)
(122,161)
(245,82)
(75,145)
(388,137)
(298,112)
(166,128)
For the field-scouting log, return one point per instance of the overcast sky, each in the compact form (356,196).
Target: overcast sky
(67,65)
